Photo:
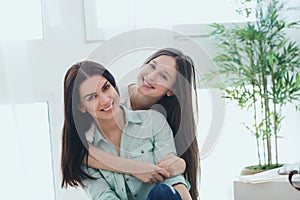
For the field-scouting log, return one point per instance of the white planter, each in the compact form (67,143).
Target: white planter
(274,190)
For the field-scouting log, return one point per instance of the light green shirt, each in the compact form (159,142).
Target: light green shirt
(146,137)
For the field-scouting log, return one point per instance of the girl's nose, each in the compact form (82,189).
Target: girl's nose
(152,76)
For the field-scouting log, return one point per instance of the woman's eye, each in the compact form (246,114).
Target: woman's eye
(91,97)
(106,87)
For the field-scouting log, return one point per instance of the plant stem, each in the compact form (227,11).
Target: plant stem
(275,116)
(267,117)
(255,123)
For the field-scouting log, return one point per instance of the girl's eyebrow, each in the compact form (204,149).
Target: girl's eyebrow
(153,61)
(166,72)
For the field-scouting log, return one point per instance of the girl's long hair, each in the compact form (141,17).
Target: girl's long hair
(179,112)
(74,143)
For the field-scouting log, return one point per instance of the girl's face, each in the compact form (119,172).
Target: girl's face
(98,97)
(157,77)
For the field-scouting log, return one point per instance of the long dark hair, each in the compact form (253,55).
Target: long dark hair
(74,143)
(179,112)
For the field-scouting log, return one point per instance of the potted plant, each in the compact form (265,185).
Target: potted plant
(260,67)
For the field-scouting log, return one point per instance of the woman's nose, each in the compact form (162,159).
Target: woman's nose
(105,99)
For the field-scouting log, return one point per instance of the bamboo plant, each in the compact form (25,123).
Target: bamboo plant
(260,64)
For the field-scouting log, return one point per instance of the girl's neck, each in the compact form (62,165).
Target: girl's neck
(138,101)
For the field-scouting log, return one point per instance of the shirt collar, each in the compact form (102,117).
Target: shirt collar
(130,117)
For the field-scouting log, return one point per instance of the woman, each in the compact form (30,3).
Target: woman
(91,97)
(158,87)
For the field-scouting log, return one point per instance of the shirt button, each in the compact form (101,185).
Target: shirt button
(142,151)
(135,195)
(122,189)
(127,179)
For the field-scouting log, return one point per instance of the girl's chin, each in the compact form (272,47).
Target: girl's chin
(149,93)
(144,92)
(144,88)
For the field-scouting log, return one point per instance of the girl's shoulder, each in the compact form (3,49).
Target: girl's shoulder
(148,116)
(125,95)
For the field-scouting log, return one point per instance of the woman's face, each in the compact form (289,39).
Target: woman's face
(98,97)
(157,77)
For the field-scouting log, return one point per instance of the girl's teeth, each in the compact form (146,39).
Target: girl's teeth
(146,83)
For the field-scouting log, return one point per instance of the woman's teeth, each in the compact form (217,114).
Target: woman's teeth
(108,108)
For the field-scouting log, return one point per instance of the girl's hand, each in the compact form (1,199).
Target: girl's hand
(150,173)
(173,164)
(146,172)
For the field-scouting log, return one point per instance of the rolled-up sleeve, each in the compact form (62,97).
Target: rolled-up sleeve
(177,179)
(98,189)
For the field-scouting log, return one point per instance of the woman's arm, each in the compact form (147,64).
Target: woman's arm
(173,164)
(146,172)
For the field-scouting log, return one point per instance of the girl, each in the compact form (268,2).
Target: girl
(91,97)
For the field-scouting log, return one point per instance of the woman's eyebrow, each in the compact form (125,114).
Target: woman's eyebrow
(95,91)
(89,95)
(104,84)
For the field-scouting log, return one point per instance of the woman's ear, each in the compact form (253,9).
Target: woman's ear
(170,93)
(81,108)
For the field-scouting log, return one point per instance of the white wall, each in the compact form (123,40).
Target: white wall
(236,148)
(33,71)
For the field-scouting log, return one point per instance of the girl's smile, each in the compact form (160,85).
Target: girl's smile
(157,77)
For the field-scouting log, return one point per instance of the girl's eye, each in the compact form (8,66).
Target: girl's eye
(152,66)
(164,77)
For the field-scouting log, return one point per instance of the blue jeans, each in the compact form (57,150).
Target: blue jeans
(163,192)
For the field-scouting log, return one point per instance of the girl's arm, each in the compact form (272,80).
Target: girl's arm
(173,164)
(183,191)
(146,172)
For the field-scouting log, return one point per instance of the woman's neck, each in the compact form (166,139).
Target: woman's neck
(139,101)
(112,128)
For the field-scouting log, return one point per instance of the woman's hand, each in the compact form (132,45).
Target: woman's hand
(150,173)
(173,164)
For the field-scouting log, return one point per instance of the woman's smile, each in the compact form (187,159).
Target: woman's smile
(108,108)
